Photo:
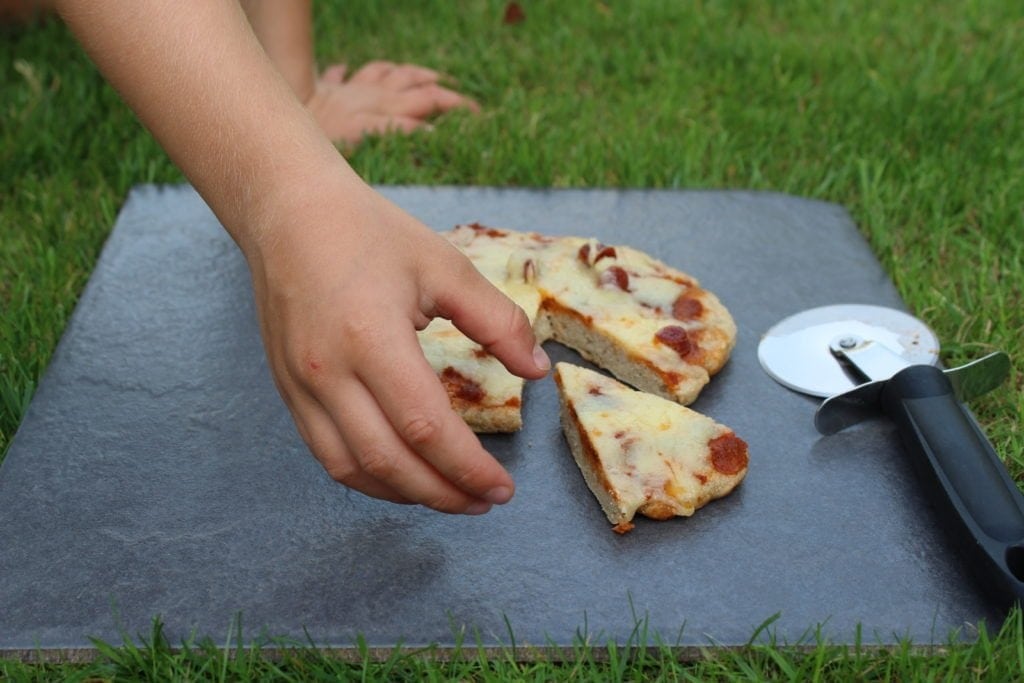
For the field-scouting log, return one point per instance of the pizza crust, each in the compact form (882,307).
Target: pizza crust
(642,454)
(650,325)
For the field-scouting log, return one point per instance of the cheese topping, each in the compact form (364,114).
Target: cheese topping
(659,317)
(648,448)
(633,316)
(495,254)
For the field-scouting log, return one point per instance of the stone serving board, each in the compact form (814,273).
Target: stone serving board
(157,473)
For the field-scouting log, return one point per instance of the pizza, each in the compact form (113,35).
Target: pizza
(641,453)
(650,325)
(486,395)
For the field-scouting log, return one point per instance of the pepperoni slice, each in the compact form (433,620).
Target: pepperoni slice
(490,232)
(677,339)
(584,253)
(728,453)
(602,252)
(685,308)
(615,276)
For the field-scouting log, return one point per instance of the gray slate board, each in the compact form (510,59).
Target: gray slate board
(158,473)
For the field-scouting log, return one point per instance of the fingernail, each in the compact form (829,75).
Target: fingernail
(478,508)
(540,359)
(499,495)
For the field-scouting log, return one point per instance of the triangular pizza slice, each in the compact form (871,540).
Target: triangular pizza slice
(642,453)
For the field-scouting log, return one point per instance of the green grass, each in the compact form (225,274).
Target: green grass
(150,656)
(911,115)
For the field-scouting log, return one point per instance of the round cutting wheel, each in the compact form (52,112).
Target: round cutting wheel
(795,352)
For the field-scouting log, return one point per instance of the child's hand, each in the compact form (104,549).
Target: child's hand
(381,97)
(342,285)
(342,277)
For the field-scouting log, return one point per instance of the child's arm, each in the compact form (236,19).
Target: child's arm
(342,277)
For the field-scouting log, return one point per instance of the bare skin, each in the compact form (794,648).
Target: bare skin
(381,97)
(342,277)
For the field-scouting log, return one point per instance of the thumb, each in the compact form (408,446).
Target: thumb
(487,316)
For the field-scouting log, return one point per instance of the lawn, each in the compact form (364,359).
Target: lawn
(910,115)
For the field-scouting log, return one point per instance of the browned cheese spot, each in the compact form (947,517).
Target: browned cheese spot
(461,387)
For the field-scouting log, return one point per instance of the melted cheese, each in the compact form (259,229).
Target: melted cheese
(647,448)
(446,347)
(623,294)
(615,312)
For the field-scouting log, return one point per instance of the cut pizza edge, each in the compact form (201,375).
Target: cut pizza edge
(641,453)
(681,384)
(652,326)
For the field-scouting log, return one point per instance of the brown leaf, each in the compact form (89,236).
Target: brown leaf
(514,13)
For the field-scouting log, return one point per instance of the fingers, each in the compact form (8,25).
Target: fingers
(381,97)
(321,435)
(410,76)
(381,454)
(428,100)
(395,76)
(335,75)
(355,441)
(413,400)
(494,321)
(416,89)
(414,441)
(383,424)
(349,365)
(372,72)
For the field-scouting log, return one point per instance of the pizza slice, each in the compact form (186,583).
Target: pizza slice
(650,325)
(642,453)
(486,395)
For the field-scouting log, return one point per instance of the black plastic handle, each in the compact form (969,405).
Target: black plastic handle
(979,504)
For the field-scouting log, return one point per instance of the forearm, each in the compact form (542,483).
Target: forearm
(197,77)
(285,30)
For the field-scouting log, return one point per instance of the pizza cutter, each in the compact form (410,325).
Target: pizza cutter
(871,360)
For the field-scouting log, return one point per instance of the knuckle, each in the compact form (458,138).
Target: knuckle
(317,445)
(377,463)
(358,332)
(465,270)
(320,443)
(377,68)
(445,502)
(518,323)
(344,473)
(422,430)
(516,328)
(337,464)
(305,365)
(469,474)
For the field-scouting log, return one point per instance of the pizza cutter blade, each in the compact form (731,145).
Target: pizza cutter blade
(871,360)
